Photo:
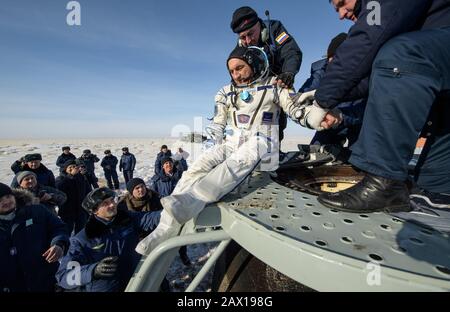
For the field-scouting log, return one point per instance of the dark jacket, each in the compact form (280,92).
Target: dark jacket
(164,184)
(159,157)
(99,240)
(150,202)
(89,161)
(284,57)
(352,111)
(58,197)
(127,162)
(22,243)
(109,163)
(353,60)
(44,176)
(16,167)
(64,158)
(76,188)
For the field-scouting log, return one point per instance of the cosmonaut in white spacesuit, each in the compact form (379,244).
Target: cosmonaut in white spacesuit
(249,107)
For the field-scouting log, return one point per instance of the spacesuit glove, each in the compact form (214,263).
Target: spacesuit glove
(305,98)
(167,228)
(215,131)
(313,116)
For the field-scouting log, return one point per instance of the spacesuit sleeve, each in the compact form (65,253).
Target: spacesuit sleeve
(287,103)
(221,109)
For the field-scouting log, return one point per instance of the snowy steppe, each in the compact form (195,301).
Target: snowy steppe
(145,151)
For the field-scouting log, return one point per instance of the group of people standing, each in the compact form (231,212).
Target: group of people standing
(43,222)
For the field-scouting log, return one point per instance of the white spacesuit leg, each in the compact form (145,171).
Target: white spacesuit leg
(209,186)
(202,166)
(218,182)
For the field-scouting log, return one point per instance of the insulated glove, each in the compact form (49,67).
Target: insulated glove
(106,268)
(313,116)
(287,78)
(305,98)
(215,131)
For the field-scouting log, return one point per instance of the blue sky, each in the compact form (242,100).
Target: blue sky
(133,68)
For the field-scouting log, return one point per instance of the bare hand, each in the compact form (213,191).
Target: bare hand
(53,254)
(331,120)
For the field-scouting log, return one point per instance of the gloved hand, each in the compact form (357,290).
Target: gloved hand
(106,268)
(285,80)
(215,131)
(305,98)
(313,117)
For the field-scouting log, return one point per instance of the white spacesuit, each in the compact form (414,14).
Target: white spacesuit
(251,114)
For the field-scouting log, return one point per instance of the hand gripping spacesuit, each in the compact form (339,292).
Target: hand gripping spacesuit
(250,112)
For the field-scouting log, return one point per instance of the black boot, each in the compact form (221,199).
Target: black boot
(372,194)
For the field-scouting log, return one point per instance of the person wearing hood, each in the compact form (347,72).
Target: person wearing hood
(48,196)
(33,164)
(104,249)
(72,183)
(32,241)
(64,157)
(163,153)
(165,181)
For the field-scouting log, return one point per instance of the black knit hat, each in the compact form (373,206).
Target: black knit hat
(133,183)
(31,157)
(243,18)
(87,151)
(107,152)
(166,159)
(335,43)
(124,149)
(4,190)
(69,163)
(64,148)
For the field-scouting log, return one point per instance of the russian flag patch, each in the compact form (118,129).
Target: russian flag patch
(282,38)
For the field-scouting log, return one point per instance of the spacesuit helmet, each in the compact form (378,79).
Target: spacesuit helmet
(256,58)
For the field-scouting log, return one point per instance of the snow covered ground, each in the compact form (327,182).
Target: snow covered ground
(145,151)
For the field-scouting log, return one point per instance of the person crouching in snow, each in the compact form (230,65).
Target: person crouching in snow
(250,106)
(101,257)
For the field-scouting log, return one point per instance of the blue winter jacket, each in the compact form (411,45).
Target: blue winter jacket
(22,242)
(353,60)
(159,158)
(352,112)
(164,184)
(127,162)
(99,240)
